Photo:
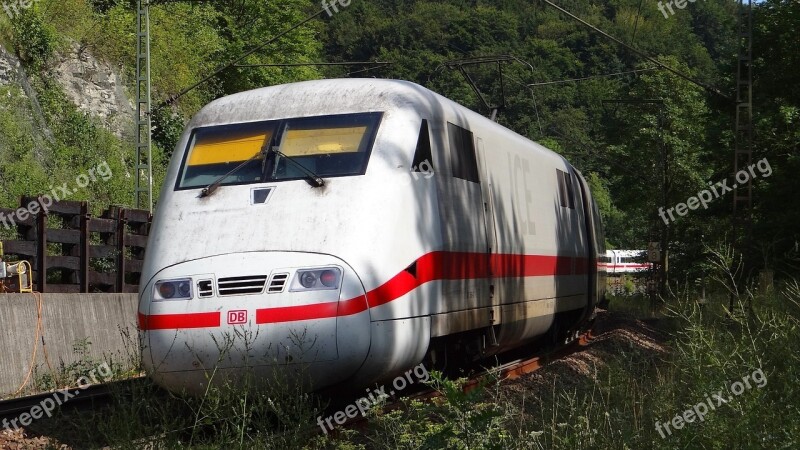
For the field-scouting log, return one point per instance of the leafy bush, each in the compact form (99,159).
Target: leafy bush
(457,420)
(167,129)
(33,40)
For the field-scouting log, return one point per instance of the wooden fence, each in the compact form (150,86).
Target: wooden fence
(71,251)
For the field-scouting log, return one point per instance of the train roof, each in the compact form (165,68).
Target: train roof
(347,95)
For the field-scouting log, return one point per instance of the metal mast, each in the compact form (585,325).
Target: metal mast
(743,152)
(743,200)
(144,150)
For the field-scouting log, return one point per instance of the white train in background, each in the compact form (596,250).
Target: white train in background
(298,218)
(618,262)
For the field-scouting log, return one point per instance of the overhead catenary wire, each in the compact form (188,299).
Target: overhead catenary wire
(640,53)
(592,77)
(366,69)
(498,59)
(533,99)
(372,65)
(343,63)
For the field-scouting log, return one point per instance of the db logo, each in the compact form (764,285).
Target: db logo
(237,317)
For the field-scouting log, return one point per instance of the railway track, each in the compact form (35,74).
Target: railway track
(76,398)
(508,370)
(518,367)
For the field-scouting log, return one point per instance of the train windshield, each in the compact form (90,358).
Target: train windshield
(329,146)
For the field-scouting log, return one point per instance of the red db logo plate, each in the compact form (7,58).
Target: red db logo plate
(237,317)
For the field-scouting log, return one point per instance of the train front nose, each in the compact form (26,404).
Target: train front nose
(258,315)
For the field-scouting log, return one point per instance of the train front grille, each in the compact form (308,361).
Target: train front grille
(253,284)
(277,283)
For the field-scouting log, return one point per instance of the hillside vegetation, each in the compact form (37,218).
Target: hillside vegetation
(619,146)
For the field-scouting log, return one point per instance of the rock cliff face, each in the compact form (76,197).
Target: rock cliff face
(96,88)
(91,84)
(8,68)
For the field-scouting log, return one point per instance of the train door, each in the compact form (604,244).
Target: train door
(487,193)
(464,232)
(594,248)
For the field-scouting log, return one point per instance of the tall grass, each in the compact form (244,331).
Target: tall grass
(713,351)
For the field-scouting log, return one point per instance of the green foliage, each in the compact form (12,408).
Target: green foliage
(83,371)
(613,219)
(622,145)
(667,159)
(457,420)
(713,351)
(777,123)
(103,6)
(21,161)
(32,38)
(189,41)
(66,374)
(167,129)
(49,141)
(81,145)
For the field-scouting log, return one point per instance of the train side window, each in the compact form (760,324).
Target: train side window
(565,193)
(462,153)
(423,160)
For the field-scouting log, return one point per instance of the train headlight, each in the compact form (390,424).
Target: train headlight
(308,279)
(180,289)
(327,278)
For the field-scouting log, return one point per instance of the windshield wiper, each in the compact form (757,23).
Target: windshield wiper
(315,179)
(208,190)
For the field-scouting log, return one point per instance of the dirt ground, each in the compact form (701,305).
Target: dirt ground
(612,333)
(17,440)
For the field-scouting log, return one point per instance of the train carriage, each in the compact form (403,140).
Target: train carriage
(618,262)
(354,228)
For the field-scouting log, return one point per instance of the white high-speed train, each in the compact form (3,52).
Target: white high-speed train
(351,229)
(618,262)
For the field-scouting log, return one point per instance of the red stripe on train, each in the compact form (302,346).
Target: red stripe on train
(179,321)
(433,266)
(467,266)
(308,312)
